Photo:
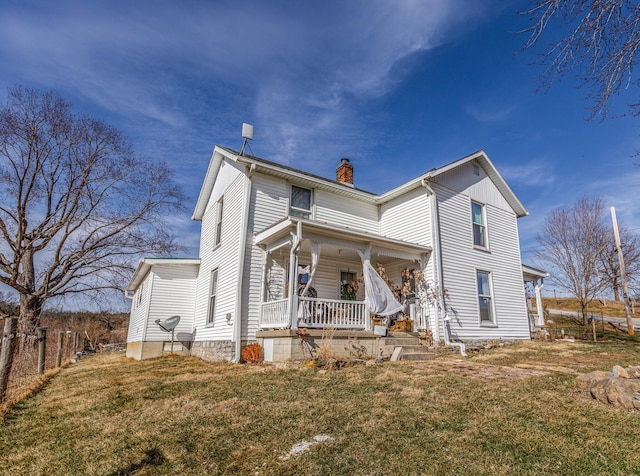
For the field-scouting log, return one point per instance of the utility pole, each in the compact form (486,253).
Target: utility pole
(623,273)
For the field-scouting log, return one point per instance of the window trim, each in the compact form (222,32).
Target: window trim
(217,239)
(492,309)
(297,209)
(213,294)
(138,297)
(355,278)
(483,225)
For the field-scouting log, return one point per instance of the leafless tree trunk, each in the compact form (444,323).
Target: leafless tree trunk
(77,207)
(572,242)
(600,42)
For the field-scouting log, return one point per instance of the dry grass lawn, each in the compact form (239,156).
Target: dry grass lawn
(509,410)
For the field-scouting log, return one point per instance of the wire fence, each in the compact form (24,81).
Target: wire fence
(25,358)
(564,326)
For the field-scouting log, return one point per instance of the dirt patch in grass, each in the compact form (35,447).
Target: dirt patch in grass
(468,368)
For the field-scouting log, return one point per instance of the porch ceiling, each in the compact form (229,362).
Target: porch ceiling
(341,240)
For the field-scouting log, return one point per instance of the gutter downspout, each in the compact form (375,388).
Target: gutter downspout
(435,237)
(237,323)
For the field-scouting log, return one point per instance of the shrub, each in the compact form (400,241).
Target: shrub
(252,353)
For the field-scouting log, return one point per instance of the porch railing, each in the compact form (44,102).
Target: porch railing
(275,314)
(319,313)
(422,316)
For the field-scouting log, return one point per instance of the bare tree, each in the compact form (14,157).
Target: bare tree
(600,40)
(609,266)
(572,243)
(77,207)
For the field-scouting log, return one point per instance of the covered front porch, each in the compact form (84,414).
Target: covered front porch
(318,276)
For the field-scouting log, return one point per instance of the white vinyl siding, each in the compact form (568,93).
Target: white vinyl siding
(479,187)
(345,211)
(172,294)
(460,261)
(408,218)
(224,258)
(139,309)
(269,203)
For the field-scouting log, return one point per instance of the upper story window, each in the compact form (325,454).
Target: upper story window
(479,225)
(300,204)
(218,237)
(138,296)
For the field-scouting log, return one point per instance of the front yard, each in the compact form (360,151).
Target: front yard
(107,415)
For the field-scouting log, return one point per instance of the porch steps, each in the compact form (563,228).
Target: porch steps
(406,346)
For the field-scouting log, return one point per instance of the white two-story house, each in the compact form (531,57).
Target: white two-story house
(286,255)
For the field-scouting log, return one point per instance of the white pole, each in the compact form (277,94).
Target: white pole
(623,273)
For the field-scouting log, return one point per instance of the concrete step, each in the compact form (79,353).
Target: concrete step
(401,341)
(418,356)
(402,334)
(414,348)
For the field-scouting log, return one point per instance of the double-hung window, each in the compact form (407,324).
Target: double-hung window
(218,237)
(300,203)
(485,299)
(479,225)
(213,291)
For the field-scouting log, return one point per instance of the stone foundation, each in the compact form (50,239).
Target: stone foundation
(214,350)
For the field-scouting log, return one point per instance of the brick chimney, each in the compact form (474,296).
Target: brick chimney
(344,173)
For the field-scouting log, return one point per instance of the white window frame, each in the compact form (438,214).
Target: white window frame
(217,239)
(355,278)
(213,292)
(492,310)
(138,298)
(300,212)
(483,226)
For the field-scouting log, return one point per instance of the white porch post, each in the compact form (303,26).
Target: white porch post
(293,276)
(540,311)
(265,259)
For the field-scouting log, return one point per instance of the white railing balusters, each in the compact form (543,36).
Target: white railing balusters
(318,313)
(275,314)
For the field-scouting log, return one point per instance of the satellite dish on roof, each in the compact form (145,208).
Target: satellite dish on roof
(247,135)
(169,325)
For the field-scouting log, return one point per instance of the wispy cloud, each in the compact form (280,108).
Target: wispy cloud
(293,65)
(532,174)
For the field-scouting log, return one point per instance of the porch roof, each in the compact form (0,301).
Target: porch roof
(280,234)
(533,274)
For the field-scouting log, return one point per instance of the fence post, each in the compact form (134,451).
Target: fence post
(6,355)
(42,348)
(59,354)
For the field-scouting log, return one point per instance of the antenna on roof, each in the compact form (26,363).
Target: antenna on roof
(247,135)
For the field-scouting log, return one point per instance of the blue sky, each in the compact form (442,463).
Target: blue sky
(397,86)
